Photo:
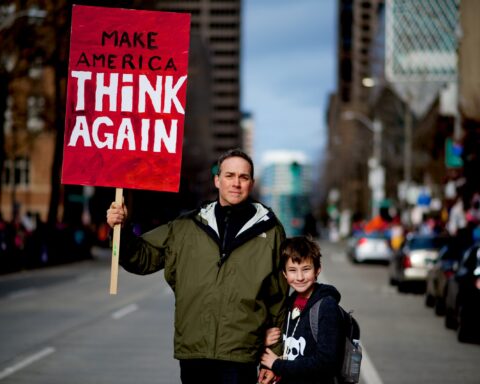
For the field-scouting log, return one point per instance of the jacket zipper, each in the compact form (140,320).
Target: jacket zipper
(223,253)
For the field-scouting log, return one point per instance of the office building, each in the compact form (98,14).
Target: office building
(286,186)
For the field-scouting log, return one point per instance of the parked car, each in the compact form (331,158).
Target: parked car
(372,246)
(410,264)
(462,302)
(443,268)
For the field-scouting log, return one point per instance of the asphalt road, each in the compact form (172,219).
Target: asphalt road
(60,325)
(403,340)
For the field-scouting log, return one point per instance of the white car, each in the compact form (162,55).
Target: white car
(410,265)
(374,246)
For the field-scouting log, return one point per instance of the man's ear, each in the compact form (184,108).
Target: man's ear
(216,181)
(252,185)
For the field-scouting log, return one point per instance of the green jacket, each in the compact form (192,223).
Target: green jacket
(222,309)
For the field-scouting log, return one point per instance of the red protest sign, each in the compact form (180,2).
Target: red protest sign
(126,95)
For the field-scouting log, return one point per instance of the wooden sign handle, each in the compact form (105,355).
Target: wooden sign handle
(116,246)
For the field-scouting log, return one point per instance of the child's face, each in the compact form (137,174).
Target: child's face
(301,276)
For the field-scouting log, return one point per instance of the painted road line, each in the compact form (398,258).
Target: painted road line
(124,311)
(368,372)
(27,292)
(26,362)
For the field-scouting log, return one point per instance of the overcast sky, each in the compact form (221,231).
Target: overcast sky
(288,71)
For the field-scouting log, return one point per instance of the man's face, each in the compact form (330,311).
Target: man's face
(234,182)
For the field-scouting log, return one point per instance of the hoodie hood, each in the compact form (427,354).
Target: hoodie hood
(320,291)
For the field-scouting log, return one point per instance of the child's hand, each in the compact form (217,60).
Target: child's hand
(272,336)
(266,376)
(268,358)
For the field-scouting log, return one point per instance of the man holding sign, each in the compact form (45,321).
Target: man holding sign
(126,94)
(222,262)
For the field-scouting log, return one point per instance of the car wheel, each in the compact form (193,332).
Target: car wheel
(463,335)
(429,300)
(402,287)
(392,280)
(450,319)
(463,331)
(439,306)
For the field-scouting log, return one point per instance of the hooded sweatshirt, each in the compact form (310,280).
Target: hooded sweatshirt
(307,361)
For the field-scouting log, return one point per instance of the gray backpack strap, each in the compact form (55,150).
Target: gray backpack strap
(313,315)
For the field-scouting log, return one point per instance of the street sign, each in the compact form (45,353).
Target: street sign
(453,154)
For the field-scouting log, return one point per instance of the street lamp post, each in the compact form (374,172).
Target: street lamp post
(376,173)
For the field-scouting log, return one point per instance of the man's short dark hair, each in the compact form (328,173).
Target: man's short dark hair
(236,152)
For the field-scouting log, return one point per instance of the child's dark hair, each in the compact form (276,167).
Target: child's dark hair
(298,249)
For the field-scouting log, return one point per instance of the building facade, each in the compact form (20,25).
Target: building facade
(350,143)
(286,187)
(33,99)
(416,111)
(218,24)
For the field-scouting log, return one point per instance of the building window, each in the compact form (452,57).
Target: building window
(223,12)
(35,112)
(224,39)
(226,53)
(16,172)
(224,25)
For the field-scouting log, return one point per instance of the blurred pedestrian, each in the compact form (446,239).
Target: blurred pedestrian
(472,215)
(397,233)
(222,262)
(310,225)
(306,360)
(6,246)
(456,217)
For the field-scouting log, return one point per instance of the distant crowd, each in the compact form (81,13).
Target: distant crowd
(461,220)
(27,242)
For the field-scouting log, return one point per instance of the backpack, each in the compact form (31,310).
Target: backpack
(352,355)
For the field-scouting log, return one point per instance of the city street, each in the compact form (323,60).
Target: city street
(356,122)
(60,325)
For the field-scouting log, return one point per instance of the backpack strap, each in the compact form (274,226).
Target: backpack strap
(313,316)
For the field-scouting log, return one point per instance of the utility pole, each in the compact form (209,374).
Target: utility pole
(407,158)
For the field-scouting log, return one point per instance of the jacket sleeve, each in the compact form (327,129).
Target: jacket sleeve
(324,361)
(145,254)
(279,289)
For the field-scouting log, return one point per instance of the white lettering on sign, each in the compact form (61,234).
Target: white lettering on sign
(114,90)
(164,88)
(104,135)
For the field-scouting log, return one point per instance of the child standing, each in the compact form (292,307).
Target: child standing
(304,360)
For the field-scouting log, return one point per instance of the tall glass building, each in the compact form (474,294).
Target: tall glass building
(286,186)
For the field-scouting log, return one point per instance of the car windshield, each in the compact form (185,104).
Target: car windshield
(427,242)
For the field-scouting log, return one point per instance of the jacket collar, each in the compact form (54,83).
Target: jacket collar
(262,214)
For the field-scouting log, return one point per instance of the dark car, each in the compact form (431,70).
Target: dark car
(410,264)
(437,277)
(462,301)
